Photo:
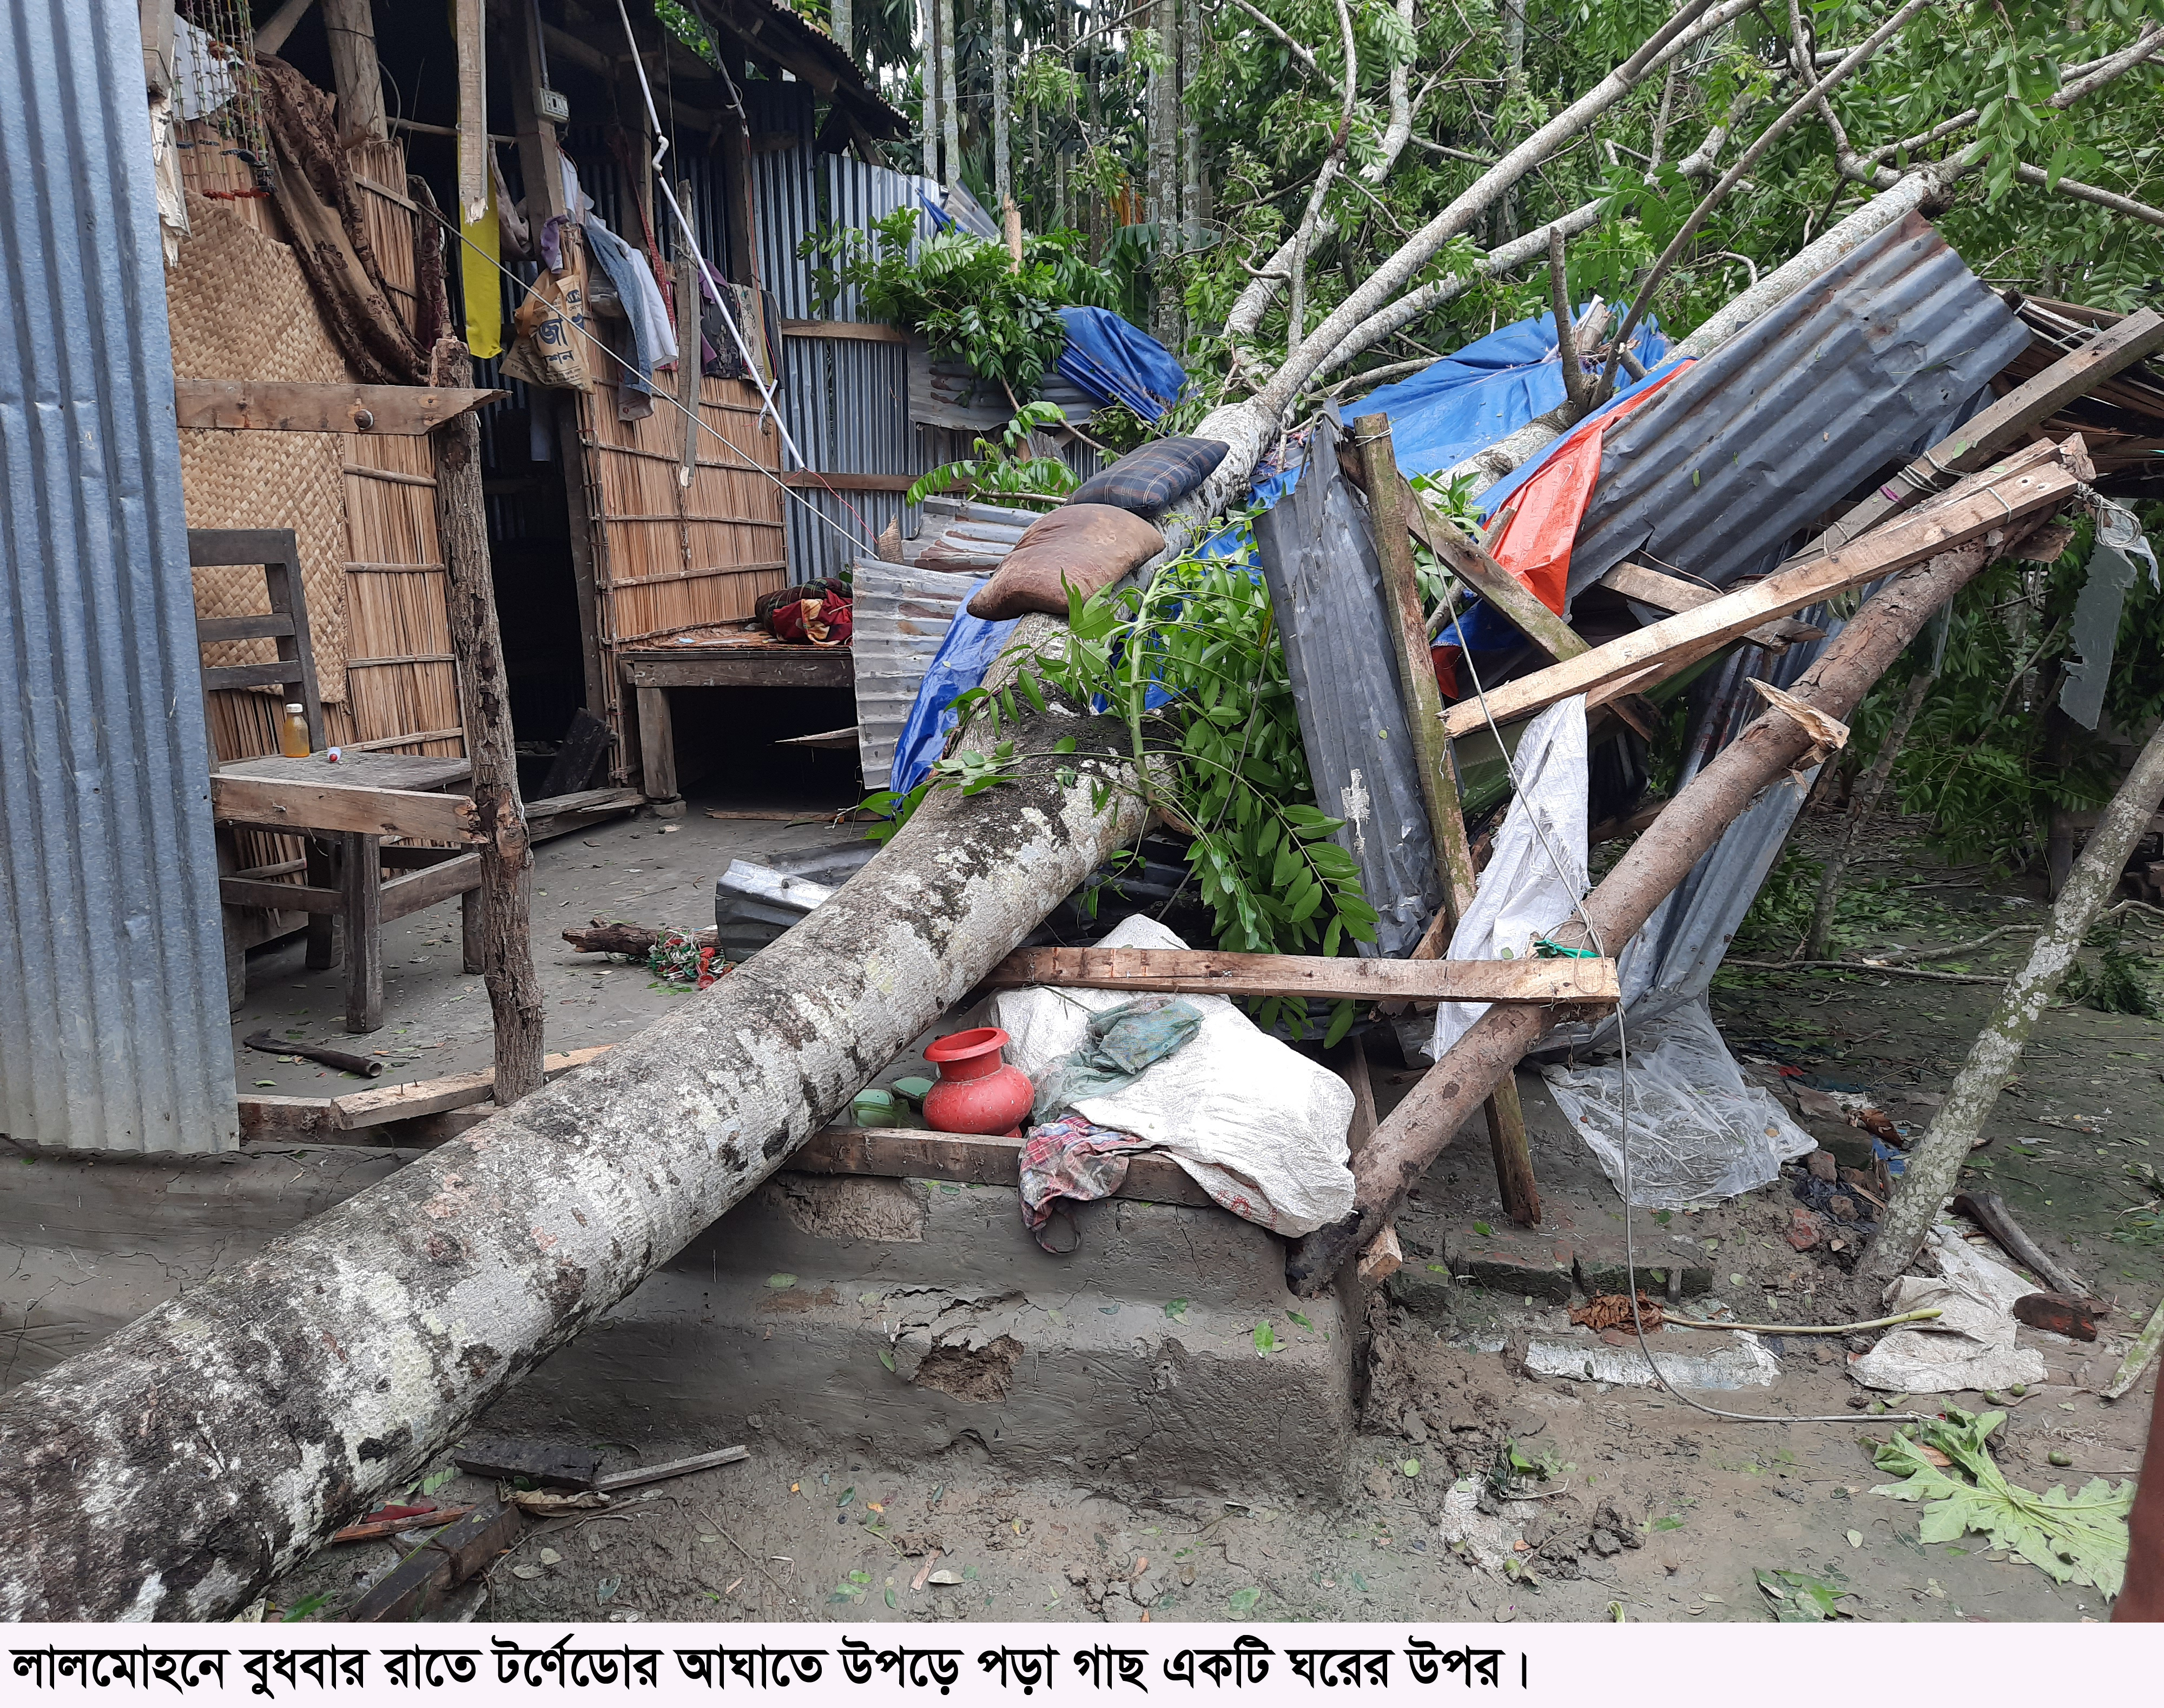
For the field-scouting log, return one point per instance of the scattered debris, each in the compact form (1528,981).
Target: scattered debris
(1743,1363)
(1988,1210)
(2057,1314)
(420,1581)
(1613,1311)
(1797,1600)
(2138,1355)
(673,1468)
(391,1521)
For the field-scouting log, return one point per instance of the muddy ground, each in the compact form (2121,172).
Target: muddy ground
(1648,1508)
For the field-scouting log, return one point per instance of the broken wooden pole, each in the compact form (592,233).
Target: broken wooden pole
(1934,1165)
(1387,493)
(341,1362)
(507,850)
(1407,1142)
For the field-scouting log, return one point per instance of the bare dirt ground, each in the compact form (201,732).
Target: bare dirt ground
(1648,1509)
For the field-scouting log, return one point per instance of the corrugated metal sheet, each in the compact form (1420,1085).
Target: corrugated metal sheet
(901,615)
(1318,556)
(1871,364)
(113,1005)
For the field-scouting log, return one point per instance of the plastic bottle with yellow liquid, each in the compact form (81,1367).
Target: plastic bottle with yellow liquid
(293,732)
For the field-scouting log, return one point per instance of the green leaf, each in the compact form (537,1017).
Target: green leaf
(1799,1600)
(1483,1230)
(1341,1022)
(436,1480)
(848,1495)
(1065,744)
(1241,1602)
(2079,1537)
(1265,1338)
(886,1358)
(1176,1309)
(781,1282)
(1301,1320)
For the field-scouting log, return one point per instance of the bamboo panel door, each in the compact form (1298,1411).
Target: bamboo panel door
(669,557)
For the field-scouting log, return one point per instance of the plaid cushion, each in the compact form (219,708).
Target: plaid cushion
(1161,473)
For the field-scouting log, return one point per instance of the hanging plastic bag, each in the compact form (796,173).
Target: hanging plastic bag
(549,341)
(1538,871)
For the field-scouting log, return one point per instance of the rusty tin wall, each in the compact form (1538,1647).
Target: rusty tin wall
(113,1028)
(1869,364)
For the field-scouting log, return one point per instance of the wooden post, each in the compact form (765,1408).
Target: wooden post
(358,79)
(360,875)
(506,857)
(1446,814)
(538,162)
(687,355)
(657,753)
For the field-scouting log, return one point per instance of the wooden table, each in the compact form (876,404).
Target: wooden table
(729,655)
(344,811)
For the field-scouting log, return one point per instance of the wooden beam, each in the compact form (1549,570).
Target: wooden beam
(1218,972)
(392,1102)
(325,806)
(905,1154)
(1971,446)
(297,406)
(1396,505)
(1672,594)
(874,332)
(431,885)
(1980,504)
(822,480)
(758,666)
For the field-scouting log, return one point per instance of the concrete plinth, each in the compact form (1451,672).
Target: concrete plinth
(906,1319)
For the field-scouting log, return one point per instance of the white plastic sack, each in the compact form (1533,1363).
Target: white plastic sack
(1257,1126)
(1971,1342)
(1698,1129)
(1523,894)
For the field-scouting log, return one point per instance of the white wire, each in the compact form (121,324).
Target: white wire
(692,239)
(1623,1065)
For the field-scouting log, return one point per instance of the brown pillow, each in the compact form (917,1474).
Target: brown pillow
(1090,545)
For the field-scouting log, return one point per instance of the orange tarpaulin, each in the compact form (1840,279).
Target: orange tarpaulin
(1536,542)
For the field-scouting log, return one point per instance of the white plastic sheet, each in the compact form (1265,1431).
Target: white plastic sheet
(1537,872)
(1255,1123)
(1971,1342)
(1699,1130)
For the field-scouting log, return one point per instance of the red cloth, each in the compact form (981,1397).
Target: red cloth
(1536,542)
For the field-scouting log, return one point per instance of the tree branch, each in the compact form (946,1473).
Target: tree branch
(2089,192)
(1276,28)
(1695,19)
(1400,126)
(1812,97)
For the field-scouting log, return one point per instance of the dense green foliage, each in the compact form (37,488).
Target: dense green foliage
(963,295)
(1221,759)
(1005,470)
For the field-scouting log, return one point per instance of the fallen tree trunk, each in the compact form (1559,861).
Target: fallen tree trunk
(1995,1057)
(171,1472)
(1403,1147)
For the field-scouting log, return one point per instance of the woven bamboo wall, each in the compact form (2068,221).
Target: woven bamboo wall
(667,556)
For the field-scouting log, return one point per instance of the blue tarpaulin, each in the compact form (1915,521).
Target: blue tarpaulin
(1465,402)
(1115,362)
(1441,416)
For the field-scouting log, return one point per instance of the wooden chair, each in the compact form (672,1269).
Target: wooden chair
(342,813)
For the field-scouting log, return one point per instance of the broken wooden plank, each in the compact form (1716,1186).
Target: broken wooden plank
(277,804)
(1976,442)
(1217,972)
(429,1517)
(1975,508)
(840,741)
(428,1097)
(549,1462)
(274,1120)
(299,406)
(1383,1258)
(615,1480)
(898,1152)
(1671,593)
